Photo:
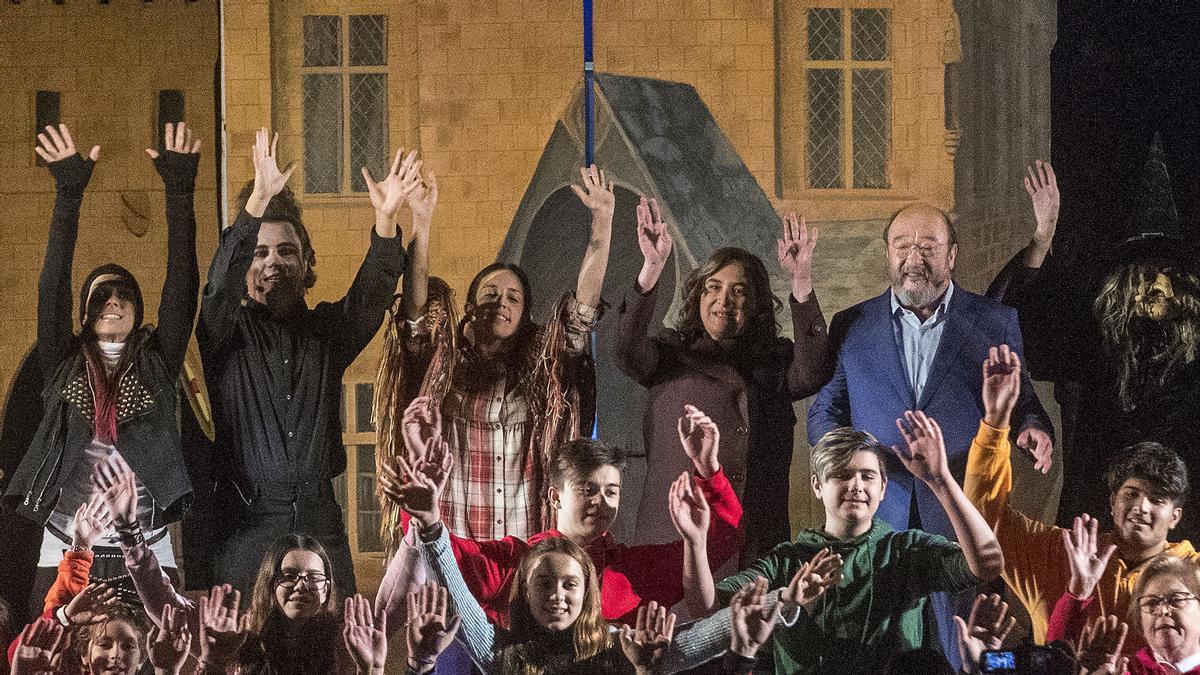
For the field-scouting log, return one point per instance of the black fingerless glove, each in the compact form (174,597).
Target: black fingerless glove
(71,175)
(178,171)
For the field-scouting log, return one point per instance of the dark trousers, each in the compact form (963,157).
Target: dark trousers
(108,565)
(254,525)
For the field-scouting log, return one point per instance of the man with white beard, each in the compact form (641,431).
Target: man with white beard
(918,346)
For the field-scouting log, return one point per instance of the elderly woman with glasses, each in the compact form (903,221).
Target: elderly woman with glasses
(1166,607)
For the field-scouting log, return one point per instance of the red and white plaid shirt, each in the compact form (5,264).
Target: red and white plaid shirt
(491,492)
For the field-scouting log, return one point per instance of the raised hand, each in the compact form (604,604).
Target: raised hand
(56,144)
(268,179)
(1040,445)
(1001,385)
(365,635)
(701,440)
(925,453)
(645,642)
(596,193)
(168,642)
(91,520)
(1101,644)
(1087,563)
(421,201)
(118,486)
(987,628)
(37,648)
(689,509)
(389,195)
(431,624)
(71,172)
(91,605)
(796,244)
(1042,186)
(654,240)
(180,157)
(417,487)
(420,425)
(752,618)
(812,580)
(221,634)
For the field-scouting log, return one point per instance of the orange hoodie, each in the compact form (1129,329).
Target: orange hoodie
(1035,564)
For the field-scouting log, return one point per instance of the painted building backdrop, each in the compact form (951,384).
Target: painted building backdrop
(843,110)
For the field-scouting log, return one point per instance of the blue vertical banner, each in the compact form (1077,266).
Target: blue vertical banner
(589,144)
(589,76)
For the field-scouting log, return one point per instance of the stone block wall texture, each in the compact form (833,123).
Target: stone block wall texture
(477,85)
(108,62)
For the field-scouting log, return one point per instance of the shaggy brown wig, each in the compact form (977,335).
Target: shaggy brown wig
(1148,353)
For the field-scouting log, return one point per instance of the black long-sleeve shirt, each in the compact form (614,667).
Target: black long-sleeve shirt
(275,384)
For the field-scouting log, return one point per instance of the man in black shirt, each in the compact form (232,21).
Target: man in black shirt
(274,366)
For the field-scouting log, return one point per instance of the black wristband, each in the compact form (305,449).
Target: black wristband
(130,534)
(736,663)
(430,533)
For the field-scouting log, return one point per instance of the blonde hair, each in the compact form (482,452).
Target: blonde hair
(591,634)
(837,447)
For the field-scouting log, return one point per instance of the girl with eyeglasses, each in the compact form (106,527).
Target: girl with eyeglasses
(295,622)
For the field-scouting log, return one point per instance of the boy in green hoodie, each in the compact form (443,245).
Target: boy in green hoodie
(854,590)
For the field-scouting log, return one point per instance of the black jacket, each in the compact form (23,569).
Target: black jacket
(147,422)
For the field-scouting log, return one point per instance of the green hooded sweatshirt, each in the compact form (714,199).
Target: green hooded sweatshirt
(876,610)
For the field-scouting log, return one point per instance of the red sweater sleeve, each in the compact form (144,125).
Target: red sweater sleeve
(488,568)
(639,574)
(724,531)
(72,578)
(1068,618)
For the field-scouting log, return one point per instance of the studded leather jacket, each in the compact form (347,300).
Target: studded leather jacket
(146,400)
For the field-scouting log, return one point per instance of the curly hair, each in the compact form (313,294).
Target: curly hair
(762,303)
(1147,352)
(1156,465)
(591,635)
(284,207)
(132,616)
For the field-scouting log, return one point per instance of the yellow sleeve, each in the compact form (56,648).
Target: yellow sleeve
(1035,566)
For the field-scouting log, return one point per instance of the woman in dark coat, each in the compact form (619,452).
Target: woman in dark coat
(725,356)
(111,388)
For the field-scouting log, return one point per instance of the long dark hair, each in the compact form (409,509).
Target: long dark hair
(264,646)
(762,303)
(590,635)
(522,338)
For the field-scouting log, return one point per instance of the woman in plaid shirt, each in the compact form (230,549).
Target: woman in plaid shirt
(509,390)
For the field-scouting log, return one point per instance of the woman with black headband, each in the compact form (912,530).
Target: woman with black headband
(111,388)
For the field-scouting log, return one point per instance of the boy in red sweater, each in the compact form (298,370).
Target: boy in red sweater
(585,493)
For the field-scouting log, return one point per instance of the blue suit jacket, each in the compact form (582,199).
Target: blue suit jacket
(869,390)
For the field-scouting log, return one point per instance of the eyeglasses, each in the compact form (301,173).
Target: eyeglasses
(292,579)
(1150,604)
(925,250)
